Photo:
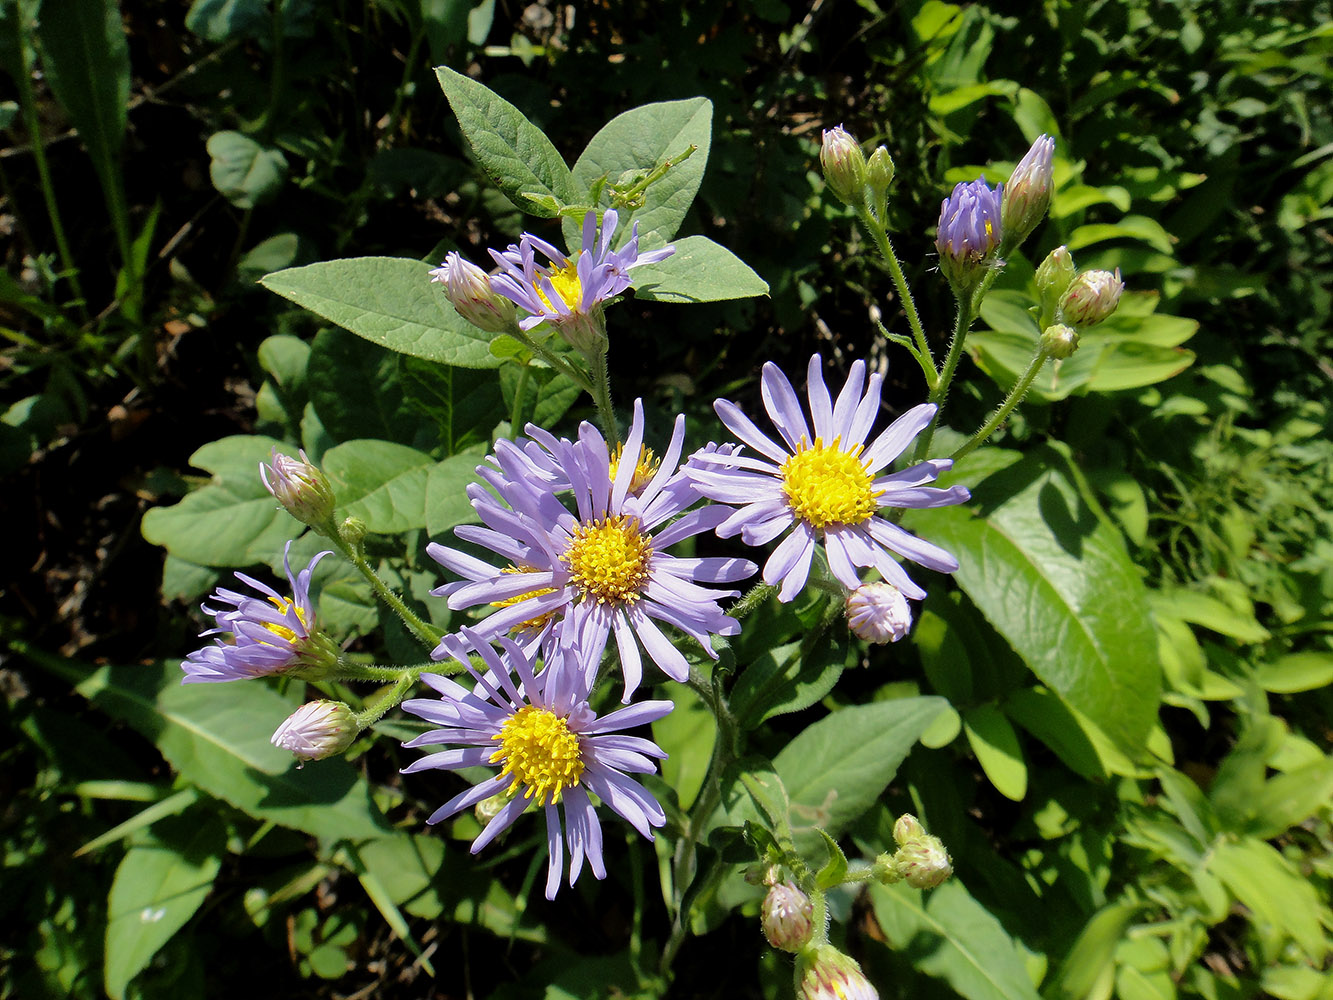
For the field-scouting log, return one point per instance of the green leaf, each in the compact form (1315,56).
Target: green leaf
(447,503)
(786,679)
(218,739)
(244,172)
(1290,799)
(1091,961)
(953,937)
(1276,893)
(87,65)
(687,735)
(406,866)
(1202,609)
(998,751)
(157,889)
(1133,227)
(391,302)
(1296,672)
(1051,574)
(699,271)
(515,154)
(836,768)
(361,390)
(219,20)
(547,394)
(638,140)
(232,521)
(382,483)
(835,870)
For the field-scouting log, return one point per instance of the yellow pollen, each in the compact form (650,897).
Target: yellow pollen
(565,281)
(825,485)
(540,752)
(533,624)
(282,631)
(608,559)
(643,471)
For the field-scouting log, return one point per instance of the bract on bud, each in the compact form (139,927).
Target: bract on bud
(879,170)
(970,231)
(787,916)
(1059,341)
(469,290)
(844,166)
(1027,195)
(317,729)
(824,973)
(1091,297)
(878,612)
(1053,277)
(301,488)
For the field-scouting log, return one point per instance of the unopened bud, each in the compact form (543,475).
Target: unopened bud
(824,973)
(763,873)
(317,729)
(469,290)
(878,612)
(907,829)
(879,171)
(487,809)
(353,531)
(1053,277)
(1027,196)
(301,488)
(787,916)
(1091,297)
(1059,341)
(844,166)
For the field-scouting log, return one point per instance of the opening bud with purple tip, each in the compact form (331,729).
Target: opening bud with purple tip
(1091,297)
(824,973)
(844,166)
(469,290)
(969,234)
(1027,195)
(878,612)
(301,488)
(317,729)
(787,916)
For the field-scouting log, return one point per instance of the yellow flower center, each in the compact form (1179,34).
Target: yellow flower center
(540,752)
(644,470)
(533,624)
(825,485)
(608,559)
(282,631)
(565,281)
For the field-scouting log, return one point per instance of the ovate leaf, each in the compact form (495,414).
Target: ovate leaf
(699,271)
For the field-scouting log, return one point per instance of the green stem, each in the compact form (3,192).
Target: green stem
(940,392)
(428,634)
(758,594)
(516,411)
(32,123)
(875,228)
(387,697)
(1015,397)
(554,360)
(601,394)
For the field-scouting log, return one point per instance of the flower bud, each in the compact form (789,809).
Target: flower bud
(469,289)
(301,488)
(1091,297)
(317,729)
(970,231)
(1027,195)
(787,917)
(824,973)
(487,809)
(353,531)
(907,829)
(879,171)
(1053,277)
(1059,341)
(878,612)
(844,166)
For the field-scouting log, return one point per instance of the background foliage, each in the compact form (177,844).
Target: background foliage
(1142,809)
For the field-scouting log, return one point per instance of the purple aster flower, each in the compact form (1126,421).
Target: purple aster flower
(826,485)
(271,634)
(551,749)
(970,230)
(568,292)
(576,578)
